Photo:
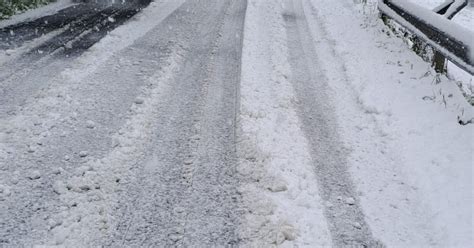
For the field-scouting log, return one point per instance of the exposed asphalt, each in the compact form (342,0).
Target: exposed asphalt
(77,27)
(75,20)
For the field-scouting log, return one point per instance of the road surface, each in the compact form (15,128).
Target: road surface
(188,123)
(181,189)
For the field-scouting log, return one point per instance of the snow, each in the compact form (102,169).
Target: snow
(104,174)
(282,193)
(83,154)
(465,80)
(139,101)
(411,160)
(54,107)
(429,4)
(90,124)
(465,18)
(35,174)
(4,192)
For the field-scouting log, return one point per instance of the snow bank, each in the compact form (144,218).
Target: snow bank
(411,160)
(465,18)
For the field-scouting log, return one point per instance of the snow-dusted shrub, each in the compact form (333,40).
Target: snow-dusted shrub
(10,7)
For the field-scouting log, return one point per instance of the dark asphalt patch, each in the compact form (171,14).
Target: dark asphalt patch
(74,30)
(79,33)
(17,34)
(84,24)
(99,31)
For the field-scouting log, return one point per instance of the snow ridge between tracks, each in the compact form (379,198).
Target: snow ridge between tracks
(281,192)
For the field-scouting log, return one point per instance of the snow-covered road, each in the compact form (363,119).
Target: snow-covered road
(160,114)
(226,123)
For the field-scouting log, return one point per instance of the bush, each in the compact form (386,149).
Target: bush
(10,7)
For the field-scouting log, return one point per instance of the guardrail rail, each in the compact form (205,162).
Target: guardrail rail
(449,40)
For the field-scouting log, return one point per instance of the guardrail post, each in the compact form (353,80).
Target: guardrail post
(439,61)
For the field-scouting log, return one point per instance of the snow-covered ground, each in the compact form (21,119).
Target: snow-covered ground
(344,135)
(411,160)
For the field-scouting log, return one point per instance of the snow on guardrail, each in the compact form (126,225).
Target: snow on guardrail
(450,8)
(452,40)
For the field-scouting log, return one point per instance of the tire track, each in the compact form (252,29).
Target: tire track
(72,32)
(28,61)
(42,59)
(16,35)
(78,36)
(342,208)
(185,194)
(78,46)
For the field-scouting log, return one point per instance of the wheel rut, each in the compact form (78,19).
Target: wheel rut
(341,207)
(185,193)
(36,64)
(17,34)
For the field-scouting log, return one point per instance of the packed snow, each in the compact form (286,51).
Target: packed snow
(274,151)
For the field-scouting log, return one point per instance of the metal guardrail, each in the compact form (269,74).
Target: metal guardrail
(453,48)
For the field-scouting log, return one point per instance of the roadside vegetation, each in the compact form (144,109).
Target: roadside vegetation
(10,7)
